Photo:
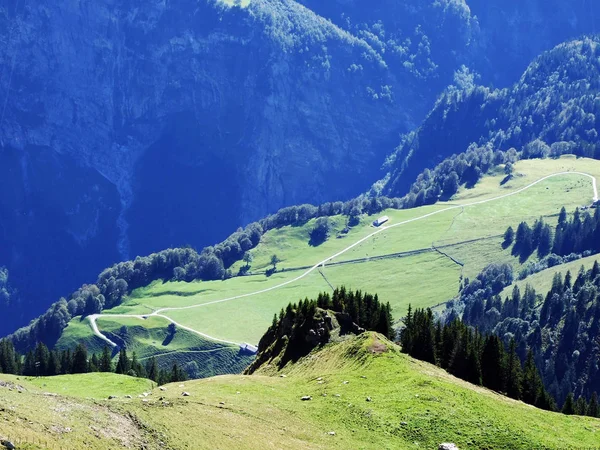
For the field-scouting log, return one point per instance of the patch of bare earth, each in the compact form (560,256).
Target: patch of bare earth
(378,347)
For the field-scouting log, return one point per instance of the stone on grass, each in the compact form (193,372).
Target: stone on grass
(331,433)
(162,388)
(128,396)
(368,399)
(306,398)
(110,397)
(8,445)
(185,394)
(447,446)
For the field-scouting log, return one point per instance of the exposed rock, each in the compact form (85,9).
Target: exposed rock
(447,446)
(8,445)
(128,396)
(162,388)
(110,397)
(306,398)
(185,394)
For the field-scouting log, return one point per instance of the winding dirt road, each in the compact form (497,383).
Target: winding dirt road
(93,318)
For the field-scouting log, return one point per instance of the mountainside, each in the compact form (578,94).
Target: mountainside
(121,143)
(363,393)
(120,123)
(132,304)
(552,110)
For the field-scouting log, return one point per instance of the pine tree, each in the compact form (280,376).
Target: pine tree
(581,406)
(123,364)
(592,409)
(569,405)
(80,362)
(493,364)
(514,372)
(105,363)
(152,371)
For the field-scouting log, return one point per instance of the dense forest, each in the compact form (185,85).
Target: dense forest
(42,362)
(560,327)
(552,110)
(302,326)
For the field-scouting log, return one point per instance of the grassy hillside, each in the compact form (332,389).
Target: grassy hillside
(200,357)
(412,405)
(441,242)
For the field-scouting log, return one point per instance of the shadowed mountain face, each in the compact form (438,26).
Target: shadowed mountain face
(128,127)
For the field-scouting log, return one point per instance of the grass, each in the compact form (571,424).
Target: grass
(414,405)
(470,235)
(92,385)
(78,330)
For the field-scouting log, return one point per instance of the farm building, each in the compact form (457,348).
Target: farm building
(249,348)
(381,221)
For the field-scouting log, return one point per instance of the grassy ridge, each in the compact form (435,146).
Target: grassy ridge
(413,405)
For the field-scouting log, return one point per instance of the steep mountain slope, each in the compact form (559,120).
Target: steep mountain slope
(119,123)
(411,405)
(552,110)
(131,129)
(495,39)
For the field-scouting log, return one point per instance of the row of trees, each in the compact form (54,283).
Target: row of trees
(479,359)
(45,362)
(578,235)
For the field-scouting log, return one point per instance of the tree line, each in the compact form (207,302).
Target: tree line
(42,362)
(483,360)
(577,235)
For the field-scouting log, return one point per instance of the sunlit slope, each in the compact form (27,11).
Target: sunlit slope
(200,357)
(419,259)
(413,405)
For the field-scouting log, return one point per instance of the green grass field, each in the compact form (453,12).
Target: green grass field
(420,276)
(413,405)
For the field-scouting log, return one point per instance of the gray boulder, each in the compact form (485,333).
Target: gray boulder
(447,446)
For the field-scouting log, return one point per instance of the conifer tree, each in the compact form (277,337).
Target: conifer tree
(593,410)
(569,405)
(105,363)
(80,362)
(123,364)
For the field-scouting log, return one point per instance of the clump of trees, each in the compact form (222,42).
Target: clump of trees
(320,232)
(578,235)
(302,326)
(467,354)
(42,362)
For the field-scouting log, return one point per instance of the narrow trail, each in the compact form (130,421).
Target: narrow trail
(92,318)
